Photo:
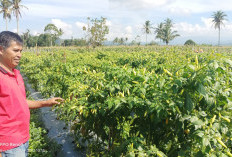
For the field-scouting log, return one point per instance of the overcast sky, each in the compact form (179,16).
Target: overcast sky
(125,18)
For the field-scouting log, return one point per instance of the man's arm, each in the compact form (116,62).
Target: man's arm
(44,103)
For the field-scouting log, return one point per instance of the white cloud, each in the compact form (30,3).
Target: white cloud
(128,30)
(80,25)
(180,11)
(92,5)
(64,9)
(207,23)
(206,32)
(56,11)
(228,26)
(138,4)
(66,28)
(108,23)
(61,24)
(35,33)
(40,10)
(187,29)
(198,6)
(14,30)
(120,31)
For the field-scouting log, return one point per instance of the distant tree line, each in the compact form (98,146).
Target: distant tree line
(96,30)
(74,42)
(48,38)
(164,31)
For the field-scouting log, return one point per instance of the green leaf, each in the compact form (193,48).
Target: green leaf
(181,153)
(178,82)
(199,154)
(229,62)
(201,89)
(143,90)
(192,67)
(188,102)
(198,122)
(199,133)
(203,114)
(117,104)
(205,141)
(117,87)
(110,104)
(161,82)
(209,100)
(215,65)
(186,117)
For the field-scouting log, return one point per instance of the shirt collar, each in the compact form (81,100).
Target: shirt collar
(3,70)
(6,72)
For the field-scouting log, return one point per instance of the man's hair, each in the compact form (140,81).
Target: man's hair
(6,37)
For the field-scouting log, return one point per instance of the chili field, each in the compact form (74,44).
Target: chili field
(140,101)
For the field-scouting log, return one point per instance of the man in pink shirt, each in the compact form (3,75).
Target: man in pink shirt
(14,107)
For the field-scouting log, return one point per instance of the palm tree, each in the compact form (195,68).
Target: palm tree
(168,23)
(17,11)
(159,31)
(147,28)
(170,35)
(218,18)
(164,31)
(5,8)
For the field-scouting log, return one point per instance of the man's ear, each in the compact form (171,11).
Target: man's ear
(1,50)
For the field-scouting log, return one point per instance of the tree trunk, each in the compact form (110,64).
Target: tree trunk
(6,24)
(51,41)
(146,39)
(219,35)
(17,25)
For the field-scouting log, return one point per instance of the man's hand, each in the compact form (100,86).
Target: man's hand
(45,103)
(53,101)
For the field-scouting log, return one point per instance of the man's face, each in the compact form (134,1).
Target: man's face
(11,56)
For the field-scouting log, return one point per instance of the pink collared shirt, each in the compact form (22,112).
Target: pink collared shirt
(14,110)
